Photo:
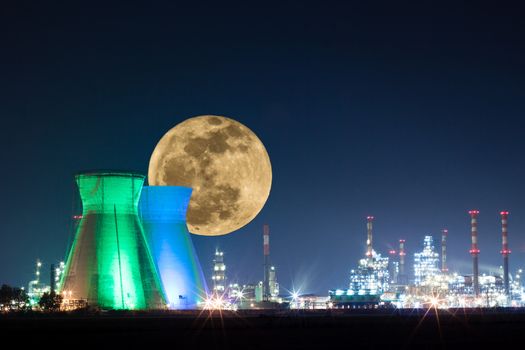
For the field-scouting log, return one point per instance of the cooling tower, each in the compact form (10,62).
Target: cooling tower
(109,264)
(163,213)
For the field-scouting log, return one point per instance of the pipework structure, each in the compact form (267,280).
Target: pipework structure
(369,249)
(219,274)
(474,250)
(393,266)
(444,234)
(36,288)
(426,263)
(505,251)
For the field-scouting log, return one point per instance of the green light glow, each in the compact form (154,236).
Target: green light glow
(109,264)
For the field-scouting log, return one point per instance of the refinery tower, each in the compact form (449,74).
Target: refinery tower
(270,286)
(109,265)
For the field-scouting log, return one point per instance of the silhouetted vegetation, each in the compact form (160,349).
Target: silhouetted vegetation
(50,301)
(12,298)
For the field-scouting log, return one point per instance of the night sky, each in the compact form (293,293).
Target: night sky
(413,114)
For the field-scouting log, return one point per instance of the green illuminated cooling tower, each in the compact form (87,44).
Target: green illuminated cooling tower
(109,264)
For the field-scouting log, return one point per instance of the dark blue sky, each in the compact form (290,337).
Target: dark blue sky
(413,114)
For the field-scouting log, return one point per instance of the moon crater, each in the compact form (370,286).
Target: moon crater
(226,165)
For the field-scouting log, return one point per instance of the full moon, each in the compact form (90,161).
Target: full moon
(226,165)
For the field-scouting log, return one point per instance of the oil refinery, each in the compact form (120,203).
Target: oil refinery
(381,282)
(132,251)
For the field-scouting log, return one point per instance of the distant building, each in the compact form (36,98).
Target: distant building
(274,286)
(219,273)
(367,283)
(259,291)
(371,276)
(36,288)
(310,301)
(426,263)
(249,292)
(56,276)
(234,291)
(393,268)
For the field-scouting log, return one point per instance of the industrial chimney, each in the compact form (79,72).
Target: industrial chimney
(474,251)
(444,234)
(505,251)
(266,251)
(402,277)
(52,277)
(369,248)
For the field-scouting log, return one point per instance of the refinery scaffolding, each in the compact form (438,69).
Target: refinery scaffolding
(367,282)
(270,290)
(36,288)
(426,263)
(219,274)
(383,282)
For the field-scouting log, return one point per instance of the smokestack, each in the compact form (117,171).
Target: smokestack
(369,219)
(444,234)
(474,251)
(402,254)
(505,251)
(266,251)
(52,282)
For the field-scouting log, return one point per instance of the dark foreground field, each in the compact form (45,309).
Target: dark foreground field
(271,329)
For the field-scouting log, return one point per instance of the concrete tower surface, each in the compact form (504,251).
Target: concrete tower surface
(162,210)
(109,264)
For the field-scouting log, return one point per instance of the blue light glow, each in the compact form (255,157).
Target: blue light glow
(163,213)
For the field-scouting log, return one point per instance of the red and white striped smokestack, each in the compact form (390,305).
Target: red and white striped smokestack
(266,251)
(474,250)
(444,234)
(504,233)
(474,232)
(369,248)
(505,251)
(266,240)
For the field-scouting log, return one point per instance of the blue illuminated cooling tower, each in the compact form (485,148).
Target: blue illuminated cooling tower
(162,210)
